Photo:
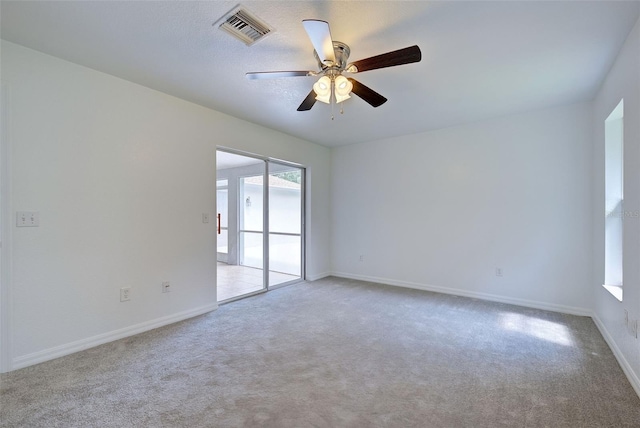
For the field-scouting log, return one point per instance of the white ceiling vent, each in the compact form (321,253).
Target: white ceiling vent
(244,25)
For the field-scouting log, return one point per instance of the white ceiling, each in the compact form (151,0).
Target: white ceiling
(479,59)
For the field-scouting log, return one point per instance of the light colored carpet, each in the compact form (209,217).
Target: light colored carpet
(337,353)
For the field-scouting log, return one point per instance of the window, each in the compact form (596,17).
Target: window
(614,200)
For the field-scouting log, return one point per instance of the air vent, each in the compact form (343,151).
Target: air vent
(244,25)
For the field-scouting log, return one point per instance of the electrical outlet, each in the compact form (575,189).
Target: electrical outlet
(125,294)
(361,258)
(498,271)
(166,286)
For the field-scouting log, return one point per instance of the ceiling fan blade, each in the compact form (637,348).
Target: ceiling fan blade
(389,59)
(367,94)
(277,74)
(320,37)
(308,102)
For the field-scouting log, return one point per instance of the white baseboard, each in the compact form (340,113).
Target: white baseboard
(626,367)
(474,294)
(318,276)
(90,342)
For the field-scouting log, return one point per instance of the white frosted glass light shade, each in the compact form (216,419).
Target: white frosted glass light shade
(322,88)
(342,87)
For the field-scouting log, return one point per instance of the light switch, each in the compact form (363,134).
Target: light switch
(27,219)
(205,217)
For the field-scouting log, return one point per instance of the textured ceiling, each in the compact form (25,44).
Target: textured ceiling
(479,59)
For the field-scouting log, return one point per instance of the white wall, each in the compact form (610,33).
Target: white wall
(623,81)
(442,210)
(120,175)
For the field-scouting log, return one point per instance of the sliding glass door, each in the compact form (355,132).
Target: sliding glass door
(260,236)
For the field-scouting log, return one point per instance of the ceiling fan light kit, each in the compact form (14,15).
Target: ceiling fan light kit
(342,88)
(339,86)
(332,57)
(322,88)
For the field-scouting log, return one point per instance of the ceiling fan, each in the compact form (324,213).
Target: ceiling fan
(332,59)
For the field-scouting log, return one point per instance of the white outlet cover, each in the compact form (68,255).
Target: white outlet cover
(125,294)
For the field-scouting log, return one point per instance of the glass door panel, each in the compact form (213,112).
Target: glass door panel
(284,254)
(240,193)
(222,202)
(251,221)
(285,223)
(251,244)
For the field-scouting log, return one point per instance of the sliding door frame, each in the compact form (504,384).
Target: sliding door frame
(265,219)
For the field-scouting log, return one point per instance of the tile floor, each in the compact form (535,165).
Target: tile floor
(235,280)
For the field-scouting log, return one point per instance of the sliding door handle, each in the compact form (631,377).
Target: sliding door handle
(218,223)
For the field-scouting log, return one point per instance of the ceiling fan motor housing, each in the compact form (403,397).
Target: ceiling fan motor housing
(342,52)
